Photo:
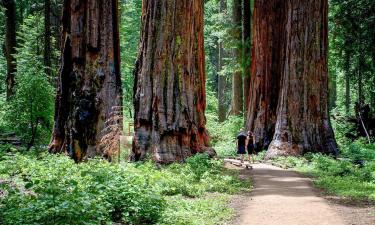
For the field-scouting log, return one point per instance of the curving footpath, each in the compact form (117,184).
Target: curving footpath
(283,197)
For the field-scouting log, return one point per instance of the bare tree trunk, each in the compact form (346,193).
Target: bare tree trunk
(266,69)
(303,123)
(237,80)
(246,43)
(169,89)
(222,111)
(347,81)
(47,39)
(361,65)
(88,115)
(10,44)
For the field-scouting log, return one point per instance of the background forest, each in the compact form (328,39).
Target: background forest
(26,121)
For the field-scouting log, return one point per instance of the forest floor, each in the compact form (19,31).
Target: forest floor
(285,197)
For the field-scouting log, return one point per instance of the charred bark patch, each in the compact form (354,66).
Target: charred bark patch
(88,115)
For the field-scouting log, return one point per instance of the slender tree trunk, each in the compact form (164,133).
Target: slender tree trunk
(361,65)
(88,115)
(332,89)
(47,38)
(237,80)
(303,123)
(246,43)
(347,81)
(10,44)
(169,89)
(222,111)
(266,69)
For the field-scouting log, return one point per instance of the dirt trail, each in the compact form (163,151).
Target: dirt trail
(283,197)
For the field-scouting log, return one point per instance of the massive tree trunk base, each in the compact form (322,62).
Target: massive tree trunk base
(282,148)
(88,107)
(169,87)
(279,148)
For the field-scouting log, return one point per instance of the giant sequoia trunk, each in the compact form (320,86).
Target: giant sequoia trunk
(266,69)
(10,43)
(88,102)
(237,80)
(169,90)
(303,123)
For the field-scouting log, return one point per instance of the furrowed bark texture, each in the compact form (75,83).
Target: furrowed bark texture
(88,104)
(264,89)
(10,43)
(303,123)
(169,90)
(237,80)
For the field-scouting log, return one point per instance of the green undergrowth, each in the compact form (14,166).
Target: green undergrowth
(223,135)
(352,175)
(52,189)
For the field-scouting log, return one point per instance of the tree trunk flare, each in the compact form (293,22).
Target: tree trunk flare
(47,39)
(266,69)
(303,123)
(169,89)
(222,110)
(88,115)
(246,43)
(237,80)
(10,44)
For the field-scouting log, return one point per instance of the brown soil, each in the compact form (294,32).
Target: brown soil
(284,197)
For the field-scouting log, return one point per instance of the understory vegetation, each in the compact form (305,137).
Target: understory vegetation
(55,190)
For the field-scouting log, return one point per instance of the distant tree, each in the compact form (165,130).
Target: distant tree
(222,108)
(237,79)
(10,44)
(246,45)
(47,38)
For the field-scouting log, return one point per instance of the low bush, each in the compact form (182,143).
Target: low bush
(52,189)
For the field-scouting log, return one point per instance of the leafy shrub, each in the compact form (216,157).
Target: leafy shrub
(223,135)
(30,111)
(52,189)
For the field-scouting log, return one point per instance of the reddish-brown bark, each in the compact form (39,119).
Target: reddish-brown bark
(10,43)
(169,90)
(88,103)
(266,69)
(303,123)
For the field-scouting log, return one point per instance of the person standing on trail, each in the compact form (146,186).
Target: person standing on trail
(241,144)
(250,145)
